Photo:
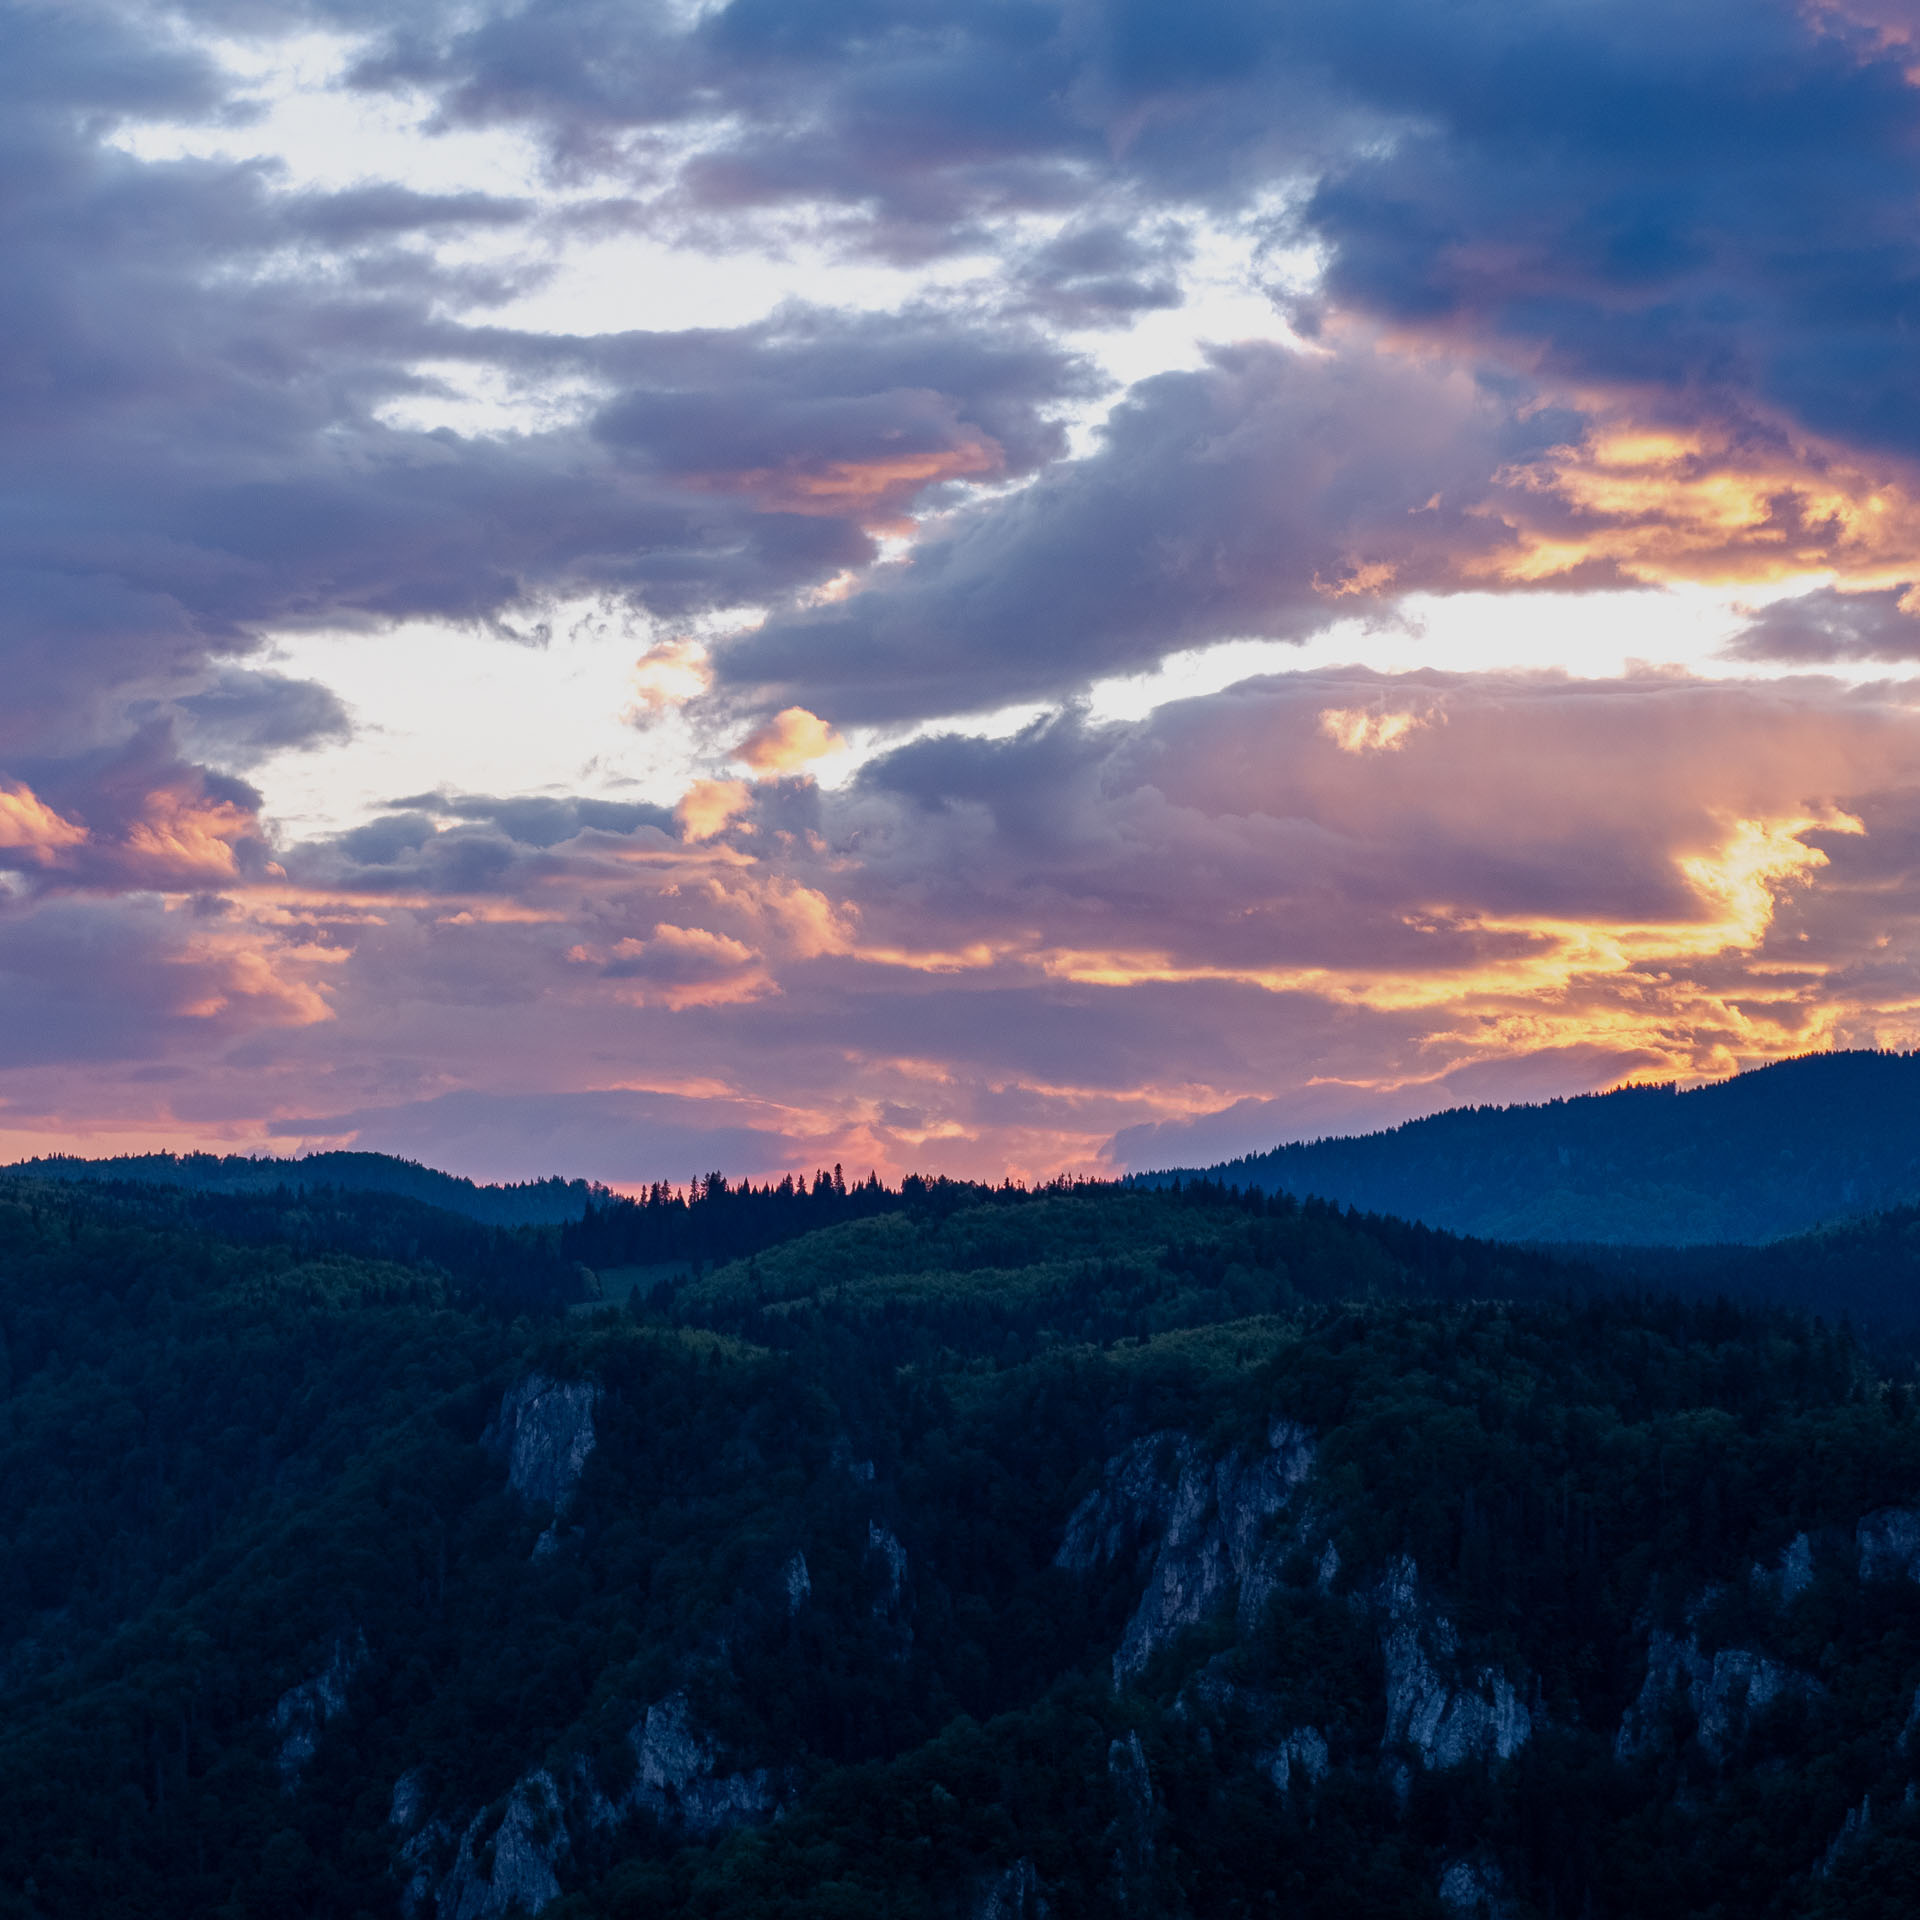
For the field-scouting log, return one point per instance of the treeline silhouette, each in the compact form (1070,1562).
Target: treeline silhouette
(527,1203)
(712,1221)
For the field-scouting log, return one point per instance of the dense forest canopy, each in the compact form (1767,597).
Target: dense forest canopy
(527,1203)
(1773,1152)
(949,1551)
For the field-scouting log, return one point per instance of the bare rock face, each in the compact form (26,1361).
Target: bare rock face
(1202,1528)
(511,1869)
(1724,1692)
(545,1429)
(419,1865)
(1795,1573)
(1132,1832)
(1474,1890)
(1013,1894)
(409,1800)
(680,1777)
(1789,1576)
(302,1712)
(1855,1828)
(1889,1543)
(796,1583)
(1301,1757)
(1290,1757)
(514,1863)
(883,1546)
(1447,1714)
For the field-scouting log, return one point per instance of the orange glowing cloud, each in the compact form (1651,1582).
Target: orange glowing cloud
(793,738)
(708,806)
(679,967)
(1661,505)
(186,840)
(859,489)
(224,977)
(668,675)
(1360,730)
(29,826)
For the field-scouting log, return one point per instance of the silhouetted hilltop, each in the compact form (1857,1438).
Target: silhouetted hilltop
(1760,1156)
(530,1203)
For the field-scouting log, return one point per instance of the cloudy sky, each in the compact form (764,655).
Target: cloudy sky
(629,586)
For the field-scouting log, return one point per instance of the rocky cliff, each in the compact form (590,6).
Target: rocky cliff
(1201,1530)
(545,1431)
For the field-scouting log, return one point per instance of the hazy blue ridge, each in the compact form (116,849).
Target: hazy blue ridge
(1764,1155)
(529,1203)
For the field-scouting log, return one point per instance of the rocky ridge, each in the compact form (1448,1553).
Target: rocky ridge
(302,1713)
(545,1430)
(1202,1529)
(1446,1713)
(511,1857)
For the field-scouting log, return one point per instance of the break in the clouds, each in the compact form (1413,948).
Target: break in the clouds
(613,588)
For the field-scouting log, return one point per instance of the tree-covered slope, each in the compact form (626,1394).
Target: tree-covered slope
(1091,1553)
(525,1204)
(1750,1159)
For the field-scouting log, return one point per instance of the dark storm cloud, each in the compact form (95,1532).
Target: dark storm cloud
(200,365)
(1265,495)
(1105,272)
(475,843)
(918,123)
(1708,198)
(240,717)
(194,446)
(539,820)
(838,416)
(1617,145)
(1826,625)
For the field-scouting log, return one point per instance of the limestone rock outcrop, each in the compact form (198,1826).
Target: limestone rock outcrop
(1201,1529)
(1448,1714)
(514,1861)
(301,1714)
(545,1430)
(1889,1543)
(1724,1690)
(682,1778)
(1012,1894)
(1475,1890)
(508,1867)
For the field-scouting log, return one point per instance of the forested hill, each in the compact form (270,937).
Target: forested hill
(1751,1159)
(1089,1553)
(524,1204)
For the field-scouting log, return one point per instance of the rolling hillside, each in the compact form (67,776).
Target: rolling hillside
(1755,1158)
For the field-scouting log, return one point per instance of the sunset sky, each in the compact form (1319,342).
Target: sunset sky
(1028,586)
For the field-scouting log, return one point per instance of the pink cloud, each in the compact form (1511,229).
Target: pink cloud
(985,955)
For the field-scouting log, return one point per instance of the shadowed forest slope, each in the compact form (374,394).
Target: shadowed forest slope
(1765,1154)
(1084,1553)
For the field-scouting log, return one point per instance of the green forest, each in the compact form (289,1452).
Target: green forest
(944,1551)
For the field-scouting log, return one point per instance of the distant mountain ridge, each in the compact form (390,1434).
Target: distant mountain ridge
(530,1203)
(1763,1155)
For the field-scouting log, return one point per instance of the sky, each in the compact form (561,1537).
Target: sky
(992,587)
